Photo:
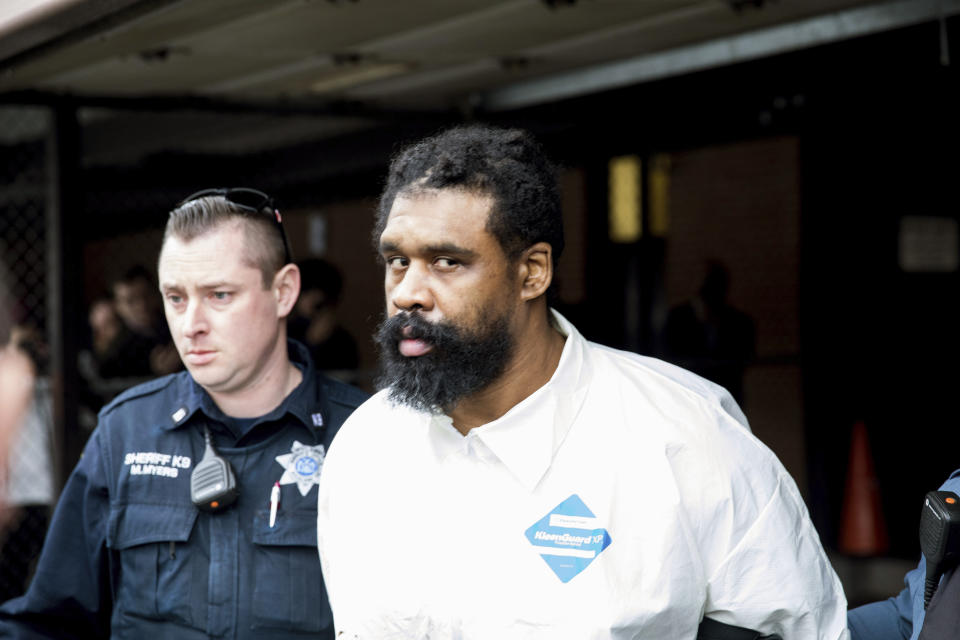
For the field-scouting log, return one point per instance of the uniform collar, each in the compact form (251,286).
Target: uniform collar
(526,438)
(304,402)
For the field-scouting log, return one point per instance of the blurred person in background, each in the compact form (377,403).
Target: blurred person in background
(192,512)
(27,479)
(103,372)
(117,351)
(138,304)
(17,376)
(128,342)
(105,326)
(709,336)
(314,320)
(140,309)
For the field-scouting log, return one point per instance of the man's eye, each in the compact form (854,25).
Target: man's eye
(173,299)
(221,295)
(396,262)
(446,263)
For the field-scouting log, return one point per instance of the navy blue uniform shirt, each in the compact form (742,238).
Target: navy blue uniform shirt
(901,617)
(128,555)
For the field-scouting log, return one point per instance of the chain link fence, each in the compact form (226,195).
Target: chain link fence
(119,321)
(27,478)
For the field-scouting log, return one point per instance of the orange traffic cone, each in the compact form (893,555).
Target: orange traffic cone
(863,531)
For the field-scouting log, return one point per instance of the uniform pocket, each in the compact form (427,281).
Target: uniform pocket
(156,572)
(289,592)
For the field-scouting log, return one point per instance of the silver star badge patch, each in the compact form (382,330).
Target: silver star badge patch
(302,466)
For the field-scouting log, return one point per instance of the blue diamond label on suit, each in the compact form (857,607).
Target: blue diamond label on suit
(568,538)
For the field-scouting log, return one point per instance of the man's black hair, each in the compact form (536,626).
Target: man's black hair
(507,164)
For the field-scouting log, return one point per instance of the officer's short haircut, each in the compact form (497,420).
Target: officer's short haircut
(505,164)
(264,248)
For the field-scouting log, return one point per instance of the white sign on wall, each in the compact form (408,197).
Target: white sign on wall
(929,244)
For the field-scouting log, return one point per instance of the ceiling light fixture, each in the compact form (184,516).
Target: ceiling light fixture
(360,74)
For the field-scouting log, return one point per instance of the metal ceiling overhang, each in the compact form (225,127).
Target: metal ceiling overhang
(771,41)
(470,79)
(51,29)
(37,26)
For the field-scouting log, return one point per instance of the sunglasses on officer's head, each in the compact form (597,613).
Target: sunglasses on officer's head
(250,200)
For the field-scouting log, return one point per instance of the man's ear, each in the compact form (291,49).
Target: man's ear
(286,288)
(536,271)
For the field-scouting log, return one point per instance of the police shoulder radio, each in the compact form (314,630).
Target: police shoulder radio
(213,485)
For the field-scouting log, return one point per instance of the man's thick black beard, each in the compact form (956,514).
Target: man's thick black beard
(459,365)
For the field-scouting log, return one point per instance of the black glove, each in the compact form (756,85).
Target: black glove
(713,630)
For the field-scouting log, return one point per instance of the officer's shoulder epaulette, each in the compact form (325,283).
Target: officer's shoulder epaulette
(141,390)
(343,393)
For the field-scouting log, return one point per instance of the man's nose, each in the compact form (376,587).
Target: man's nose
(194,319)
(412,291)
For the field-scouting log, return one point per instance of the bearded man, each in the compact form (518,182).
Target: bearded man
(512,479)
